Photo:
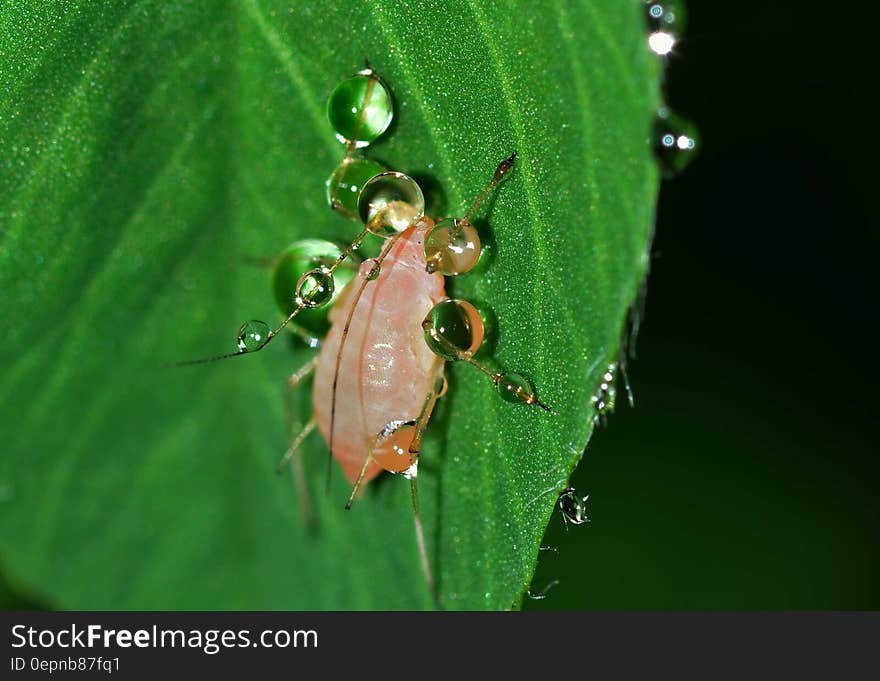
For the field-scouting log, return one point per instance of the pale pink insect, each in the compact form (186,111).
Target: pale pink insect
(380,370)
(386,367)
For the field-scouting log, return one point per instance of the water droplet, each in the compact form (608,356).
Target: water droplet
(606,394)
(294,262)
(390,202)
(315,288)
(514,388)
(453,328)
(661,42)
(252,335)
(360,109)
(675,142)
(370,269)
(391,450)
(348,179)
(666,14)
(666,22)
(452,247)
(574,509)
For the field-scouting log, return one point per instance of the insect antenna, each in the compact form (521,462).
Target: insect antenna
(503,168)
(314,289)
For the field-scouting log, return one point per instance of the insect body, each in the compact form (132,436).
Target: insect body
(380,369)
(386,368)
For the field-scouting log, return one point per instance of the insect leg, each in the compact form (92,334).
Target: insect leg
(414,450)
(511,387)
(296,463)
(393,452)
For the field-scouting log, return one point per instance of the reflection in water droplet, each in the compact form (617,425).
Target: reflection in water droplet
(252,335)
(675,142)
(573,508)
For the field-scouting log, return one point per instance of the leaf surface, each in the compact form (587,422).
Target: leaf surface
(150,150)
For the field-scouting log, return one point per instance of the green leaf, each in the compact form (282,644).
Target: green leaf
(151,149)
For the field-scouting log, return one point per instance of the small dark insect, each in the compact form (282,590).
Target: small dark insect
(574,509)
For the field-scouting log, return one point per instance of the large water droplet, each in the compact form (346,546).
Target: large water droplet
(315,288)
(390,202)
(675,142)
(252,335)
(360,109)
(452,247)
(301,257)
(453,328)
(346,182)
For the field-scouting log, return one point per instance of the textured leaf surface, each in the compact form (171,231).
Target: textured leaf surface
(150,150)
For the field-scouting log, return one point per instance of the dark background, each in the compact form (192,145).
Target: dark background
(747,476)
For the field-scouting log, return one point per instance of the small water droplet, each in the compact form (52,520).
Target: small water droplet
(315,288)
(604,398)
(573,508)
(360,109)
(514,388)
(252,335)
(666,14)
(370,269)
(675,142)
